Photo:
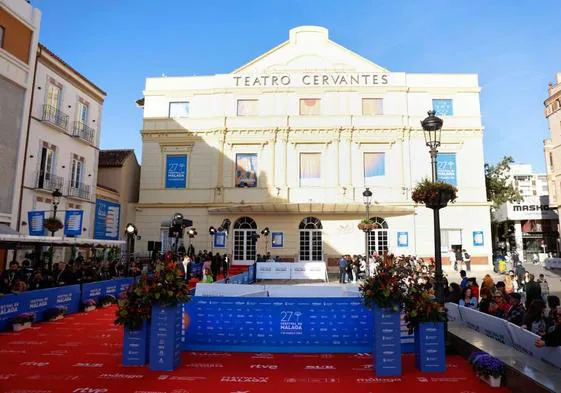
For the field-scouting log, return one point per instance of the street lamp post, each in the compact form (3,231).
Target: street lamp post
(265,232)
(367,196)
(432,126)
(56,194)
(212,232)
(131,232)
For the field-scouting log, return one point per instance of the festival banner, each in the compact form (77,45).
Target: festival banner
(446,168)
(176,171)
(107,220)
(525,341)
(73,222)
(486,324)
(35,221)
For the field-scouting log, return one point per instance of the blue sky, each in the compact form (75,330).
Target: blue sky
(512,45)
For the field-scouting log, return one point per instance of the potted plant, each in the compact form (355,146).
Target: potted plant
(22,321)
(488,368)
(435,195)
(366,225)
(106,301)
(54,314)
(52,224)
(384,293)
(426,317)
(122,298)
(89,305)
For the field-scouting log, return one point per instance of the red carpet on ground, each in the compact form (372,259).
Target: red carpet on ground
(82,353)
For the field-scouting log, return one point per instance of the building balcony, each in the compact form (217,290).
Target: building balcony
(84,132)
(79,190)
(55,116)
(48,181)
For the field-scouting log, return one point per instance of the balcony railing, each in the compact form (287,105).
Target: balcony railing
(48,181)
(55,116)
(84,132)
(79,190)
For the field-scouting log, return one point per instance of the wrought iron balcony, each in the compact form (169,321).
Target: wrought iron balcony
(48,181)
(54,116)
(79,190)
(84,132)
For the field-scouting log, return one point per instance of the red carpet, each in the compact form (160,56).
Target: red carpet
(82,353)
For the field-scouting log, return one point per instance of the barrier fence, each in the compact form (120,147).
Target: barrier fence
(504,332)
(69,297)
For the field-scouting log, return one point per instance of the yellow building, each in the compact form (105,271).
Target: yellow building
(290,141)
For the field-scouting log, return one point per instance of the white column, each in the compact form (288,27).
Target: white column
(518,238)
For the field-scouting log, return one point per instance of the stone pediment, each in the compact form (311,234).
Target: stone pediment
(309,49)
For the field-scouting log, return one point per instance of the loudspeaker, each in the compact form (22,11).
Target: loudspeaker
(150,245)
(157,246)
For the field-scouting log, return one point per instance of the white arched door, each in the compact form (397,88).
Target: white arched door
(244,250)
(378,237)
(311,243)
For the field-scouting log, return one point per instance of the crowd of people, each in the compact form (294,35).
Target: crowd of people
(521,300)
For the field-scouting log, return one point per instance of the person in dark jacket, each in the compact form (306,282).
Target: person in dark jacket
(516,313)
(553,338)
(533,290)
(37,281)
(454,293)
(485,300)
(64,276)
(8,278)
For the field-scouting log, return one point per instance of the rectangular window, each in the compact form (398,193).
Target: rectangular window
(450,239)
(372,106)
(83,110)
(2,36)
(443,107)
(46,168)
(246,170)
(76,173)
(54,96)
(446,168)
(248,107)
(176,171)
(309,106)
(374,166)
(551,160)
(178,109)
(310,169)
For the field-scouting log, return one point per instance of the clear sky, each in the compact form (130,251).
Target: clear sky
(513,45)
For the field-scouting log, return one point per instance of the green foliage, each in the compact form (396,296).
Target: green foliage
(499,188)
(387,286)
(426,191)
(421,306)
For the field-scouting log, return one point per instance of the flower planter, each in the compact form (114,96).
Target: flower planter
(165,337)
(89,308)
(494,382)
(430,355)
(136,345)
(18,327)
(367,227)
(440,201)
(387,342)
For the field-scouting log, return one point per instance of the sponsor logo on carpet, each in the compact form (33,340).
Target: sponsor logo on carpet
(311,380)
(27,391)
(149,391)
(7,376)
(40,377)
(320,367)
(265,366)
(29,342)
(217,354)
(378,380)
(20,352)
(166,377)
(205,365)
(34,364)
(88,365)
(55,352)
(263,356)
(245,379)
(120,376)
(90,390)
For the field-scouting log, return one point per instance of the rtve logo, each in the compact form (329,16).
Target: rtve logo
(265,366)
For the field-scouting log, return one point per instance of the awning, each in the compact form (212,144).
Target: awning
(18,240)
(6,230)
(357,209)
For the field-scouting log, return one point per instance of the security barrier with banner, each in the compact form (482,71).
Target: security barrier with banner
(94,290)
(291,271)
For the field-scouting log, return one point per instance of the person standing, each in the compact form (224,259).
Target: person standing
(342,269)
(452,257)
(467,259)
(544,286)
(464,282)
(9,277)
(215,266)
(516,313)
(533,290)
(459,258)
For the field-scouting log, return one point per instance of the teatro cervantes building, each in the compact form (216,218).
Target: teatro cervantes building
(289,142)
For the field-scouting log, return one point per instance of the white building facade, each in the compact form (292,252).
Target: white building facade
(63,147)
(290,141)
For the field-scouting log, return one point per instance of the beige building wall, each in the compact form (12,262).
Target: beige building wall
(214,131)
(552,145)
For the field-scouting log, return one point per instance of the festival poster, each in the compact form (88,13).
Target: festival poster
(176,171)
(446,168)
(246,170)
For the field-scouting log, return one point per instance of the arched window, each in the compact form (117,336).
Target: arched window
(244,250)
(378,237)
(311,244)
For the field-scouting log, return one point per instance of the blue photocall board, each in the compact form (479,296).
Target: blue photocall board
(176,171)
(107,220)
(94,290)
(38,302)
(35,220)
(73,222)
(330,325)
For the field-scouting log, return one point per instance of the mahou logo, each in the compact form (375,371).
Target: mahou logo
(245,379)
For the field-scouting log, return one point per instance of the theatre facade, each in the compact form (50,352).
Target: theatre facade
(290,141)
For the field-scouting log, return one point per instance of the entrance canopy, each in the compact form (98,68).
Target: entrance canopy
(20,241)
(317,208)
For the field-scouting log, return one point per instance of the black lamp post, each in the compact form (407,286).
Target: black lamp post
(367,196)
(432,127)
(56,194)
(131,232)
(212,232)
(265,232)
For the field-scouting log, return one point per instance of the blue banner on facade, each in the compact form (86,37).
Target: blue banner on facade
(107,220)
(94,290)
(260,324)
(35,220)
(38,302)
(176,171)
(446,168)
(73,222)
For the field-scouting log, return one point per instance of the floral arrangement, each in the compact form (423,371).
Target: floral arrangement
(53,313)
(52,224)
(107,299)
(22,318)
(165,287)
(367,225)
(89,303)
(386,287)
(123,296)
(421,306)
(430,193)
(486,365)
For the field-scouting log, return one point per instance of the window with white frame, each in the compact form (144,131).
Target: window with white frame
(77,171)
(46,167)
(450,239)
(443,107)
(247,108)
(374,166)
(372,106)
(82,112)
(54,95)
(310,106)
(310,169)
(179,109)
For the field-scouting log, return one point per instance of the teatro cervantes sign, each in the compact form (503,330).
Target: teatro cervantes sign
(310,79)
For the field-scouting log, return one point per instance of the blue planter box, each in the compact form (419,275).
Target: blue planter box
(387,342)
(136,345)
(165,337)
(430,353)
